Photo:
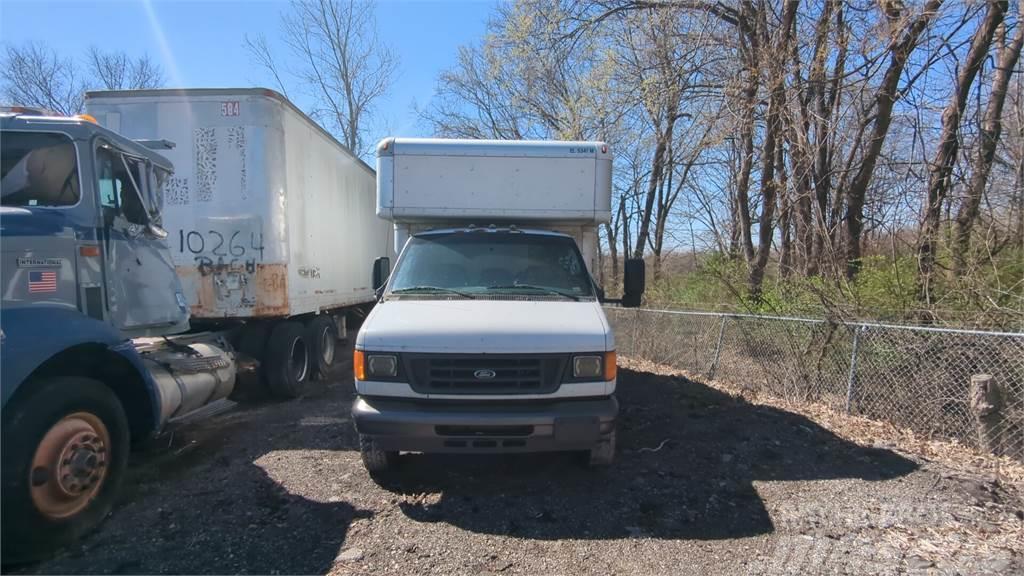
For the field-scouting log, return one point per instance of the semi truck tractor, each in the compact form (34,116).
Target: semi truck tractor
(489,334)
(92,325)
(139,276)
(270,220)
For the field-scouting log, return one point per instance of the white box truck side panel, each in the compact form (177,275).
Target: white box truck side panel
(334,232)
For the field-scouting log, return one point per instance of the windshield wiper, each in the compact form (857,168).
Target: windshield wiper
(535,287)
(412,289)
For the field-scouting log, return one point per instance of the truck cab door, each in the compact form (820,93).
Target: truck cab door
(144,295)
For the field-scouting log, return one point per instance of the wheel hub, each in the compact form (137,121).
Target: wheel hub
(299,360)
(70,465)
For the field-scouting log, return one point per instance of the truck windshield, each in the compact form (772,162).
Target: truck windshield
(486,264)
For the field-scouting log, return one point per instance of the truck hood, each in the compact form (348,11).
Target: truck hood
(486,327)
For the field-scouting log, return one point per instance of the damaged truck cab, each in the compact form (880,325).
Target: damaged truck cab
(489,336)
(91,315)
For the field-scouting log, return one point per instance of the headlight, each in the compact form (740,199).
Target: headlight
(587,367)
(382,365)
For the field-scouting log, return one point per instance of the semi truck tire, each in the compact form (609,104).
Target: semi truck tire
(379,463)
(287,360)
(65,448)
(322,336)
(603,455)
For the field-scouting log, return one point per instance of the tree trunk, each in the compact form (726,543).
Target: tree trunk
(941,167)
(772,140)
(991,129)
(613,251)
(749,50)
(657,169)
(884,99)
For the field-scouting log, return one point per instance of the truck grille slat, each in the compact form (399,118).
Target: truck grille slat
(502,374)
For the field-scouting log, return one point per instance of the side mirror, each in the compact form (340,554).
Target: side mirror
(633,282)
(381,271)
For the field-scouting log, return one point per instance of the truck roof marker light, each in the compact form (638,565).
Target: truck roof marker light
(604,149)
(87,118)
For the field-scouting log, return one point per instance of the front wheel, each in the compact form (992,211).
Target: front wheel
(603,455)
(65,448)
(379,463)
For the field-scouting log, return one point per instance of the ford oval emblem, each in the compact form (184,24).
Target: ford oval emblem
(484,374)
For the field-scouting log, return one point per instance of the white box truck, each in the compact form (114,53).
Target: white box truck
(270,220)
(489,335)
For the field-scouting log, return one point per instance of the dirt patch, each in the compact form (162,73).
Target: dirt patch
(706,482)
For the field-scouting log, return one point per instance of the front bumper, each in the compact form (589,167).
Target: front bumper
(483,427)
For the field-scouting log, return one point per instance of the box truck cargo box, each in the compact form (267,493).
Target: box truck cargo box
(430,179)
(268,215)
(426,184)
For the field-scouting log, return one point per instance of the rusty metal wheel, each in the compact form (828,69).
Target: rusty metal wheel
(70,465)
(65,448)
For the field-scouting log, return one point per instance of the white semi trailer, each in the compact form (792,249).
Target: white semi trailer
(270,220)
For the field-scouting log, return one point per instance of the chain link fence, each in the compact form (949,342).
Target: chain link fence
(958,384)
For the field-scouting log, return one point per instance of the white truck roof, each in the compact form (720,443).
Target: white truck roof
(485,181)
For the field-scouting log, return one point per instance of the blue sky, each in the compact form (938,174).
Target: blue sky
(204,40)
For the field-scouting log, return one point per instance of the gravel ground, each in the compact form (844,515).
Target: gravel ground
(705,483)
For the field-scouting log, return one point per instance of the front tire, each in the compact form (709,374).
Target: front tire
(65,449)
(603,455)
(379,463)
(287,360)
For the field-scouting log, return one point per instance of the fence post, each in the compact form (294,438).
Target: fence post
(852,378)
(986,407)
(718,349)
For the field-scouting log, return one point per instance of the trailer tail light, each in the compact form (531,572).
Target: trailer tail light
(88,251)
(359,364)
(610,368)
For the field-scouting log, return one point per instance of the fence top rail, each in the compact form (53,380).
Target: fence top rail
(859,325)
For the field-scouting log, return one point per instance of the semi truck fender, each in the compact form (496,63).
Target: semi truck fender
(38,340)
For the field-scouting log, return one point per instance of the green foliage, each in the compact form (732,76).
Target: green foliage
(884,290)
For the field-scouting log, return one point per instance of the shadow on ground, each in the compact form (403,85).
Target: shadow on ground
(697,486)
(198,502)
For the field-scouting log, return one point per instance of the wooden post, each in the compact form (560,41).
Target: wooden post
(986,407)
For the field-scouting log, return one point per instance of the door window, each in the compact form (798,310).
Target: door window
(120,178)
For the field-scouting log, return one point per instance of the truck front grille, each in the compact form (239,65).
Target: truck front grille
(486,374)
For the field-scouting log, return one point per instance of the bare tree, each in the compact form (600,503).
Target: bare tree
(118,71)
(36,75)
(941,168)
(906,32)
(1006,61)
(341,61)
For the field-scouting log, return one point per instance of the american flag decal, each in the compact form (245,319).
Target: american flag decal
(42,281)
